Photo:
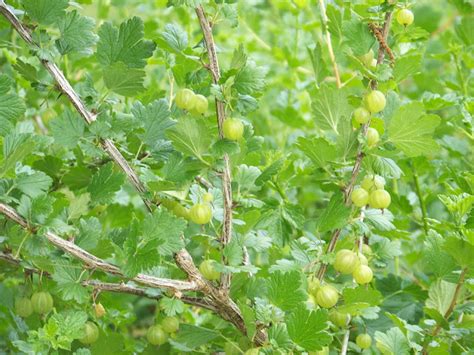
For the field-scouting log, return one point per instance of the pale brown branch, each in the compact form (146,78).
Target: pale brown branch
(221,116)
(329,43)
(93,262)
(108,286)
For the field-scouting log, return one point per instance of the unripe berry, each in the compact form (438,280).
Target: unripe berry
(372,182)
(170,324)
(42,302)
(313,285)
(91,333)
(233,129)
(375,101)
(200,104)
(367,58)
(156,335)
(23,307)
(360,197)
(405,17)
(361,115)
(364,341)
(208,271)
(362,259)
(200,213)
(363,274)
(185,99)
(339,319)
(373,137)
(379,199)
(346,261)
(327,296)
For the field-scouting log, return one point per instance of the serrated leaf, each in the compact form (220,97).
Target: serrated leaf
(67,129)
(123,80)
(285,290)
(164,229)
(124,44)
(406,66)
(330,107)
(319,150)
(334,216)
(34,184)
(172,306)
(307,328)
(411,130)
(392,342)
(362,294)
(250,79)
(190,136)
(155,118)
(45,12)
(358,37)
(11,106)
(440,296)
(77,34)
(192,336)
(105,183)
(175,37)
(68,282)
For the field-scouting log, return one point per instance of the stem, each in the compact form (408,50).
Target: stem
(345,342)
(424,213)
(360,154)
(329,43)
(221,116)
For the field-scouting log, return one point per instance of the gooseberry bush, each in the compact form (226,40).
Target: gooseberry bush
(223,176)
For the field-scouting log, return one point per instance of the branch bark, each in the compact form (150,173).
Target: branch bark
(221,116)
(329,43)
(93,262)
(360,153)
(108,286)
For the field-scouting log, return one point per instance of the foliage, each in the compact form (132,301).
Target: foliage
(291,149)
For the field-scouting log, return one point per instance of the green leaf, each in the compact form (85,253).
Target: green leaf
(123,80)
(68,282)
(330,107)
(411,130)
(362,294)
(269,172)
(440,296)
(11,106)
(285,290)
(155,118)
(392,342)
(105,183)
(16,146)
(307,328)
(124,45)
(67,129)
(35,184)
(45,12)
(335,215)
(164,229)
(172,306)
(192,336)
(406,66)
(77,34)
(358,37)
(461,250)
(89,233)
(381,220)
(435,258)
(175,37)
(319,150)
(190,136)
(250,79)
(246,177)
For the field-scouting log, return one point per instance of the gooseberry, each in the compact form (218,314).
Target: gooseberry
(379,199)
(233,129)
(361,115)
(364,341)
(372,137)
(91,333)
(405,17)
(42,302)
(346,261)
(363,274)
(200,213)
(185,99)
(23,307)
(156,335)
(170,324)
(208,271)
(360,197)
(327,296)
(375,101)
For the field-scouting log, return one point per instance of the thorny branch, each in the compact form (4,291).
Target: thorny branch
(101,286)
(221,116)
(219,299)
(360,154)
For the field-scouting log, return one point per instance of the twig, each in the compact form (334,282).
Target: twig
(221,116)
(345,342)
(107,286)
(360,155)
(329,43)
(40,124)
(424,213)
(94,262)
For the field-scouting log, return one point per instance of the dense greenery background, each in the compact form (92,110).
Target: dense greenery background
(126,60)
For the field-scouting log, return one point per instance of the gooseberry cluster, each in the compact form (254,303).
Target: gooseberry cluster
(158,334)
(349,262)
(187,100)
(40,303)
(372,192)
